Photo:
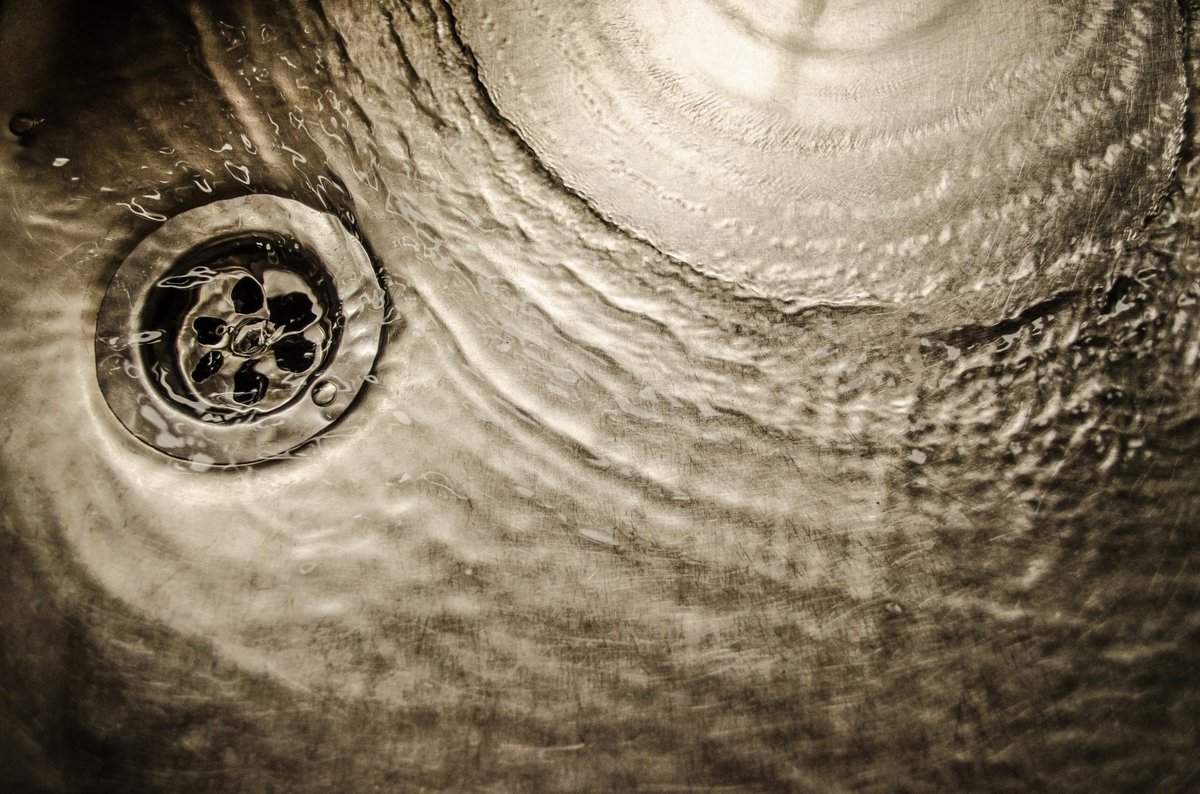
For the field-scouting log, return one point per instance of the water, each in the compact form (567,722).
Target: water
(944,156)
(599,520)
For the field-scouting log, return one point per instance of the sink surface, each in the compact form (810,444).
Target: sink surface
(619,497)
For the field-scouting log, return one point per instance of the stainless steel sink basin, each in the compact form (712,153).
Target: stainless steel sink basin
(531,396)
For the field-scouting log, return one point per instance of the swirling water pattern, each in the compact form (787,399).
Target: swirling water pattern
(606,516)
(953,156)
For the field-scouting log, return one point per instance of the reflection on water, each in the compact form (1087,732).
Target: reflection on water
(597,520)
(951,156)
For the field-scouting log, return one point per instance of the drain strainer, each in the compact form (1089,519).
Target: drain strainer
(238,330)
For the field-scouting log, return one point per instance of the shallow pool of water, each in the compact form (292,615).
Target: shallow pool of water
(604,515)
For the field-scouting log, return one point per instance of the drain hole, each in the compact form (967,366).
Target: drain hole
(249,387)
(209,330)
(294,354)
(292,312)
(237,310)
(266,307)
(208,366)
(247,295)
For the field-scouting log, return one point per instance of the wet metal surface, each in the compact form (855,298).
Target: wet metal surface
(817,438)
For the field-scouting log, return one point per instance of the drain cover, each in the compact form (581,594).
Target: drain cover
(238,330)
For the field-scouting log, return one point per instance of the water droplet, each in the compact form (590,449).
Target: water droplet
(324,393)
(22,124)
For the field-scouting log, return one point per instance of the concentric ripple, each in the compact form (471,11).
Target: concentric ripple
(959,157)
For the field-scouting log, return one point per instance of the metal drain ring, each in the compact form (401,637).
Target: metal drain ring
(157,342)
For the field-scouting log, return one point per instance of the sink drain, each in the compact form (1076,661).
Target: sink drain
(238,330)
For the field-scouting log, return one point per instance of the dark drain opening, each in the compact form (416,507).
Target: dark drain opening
(249,324)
